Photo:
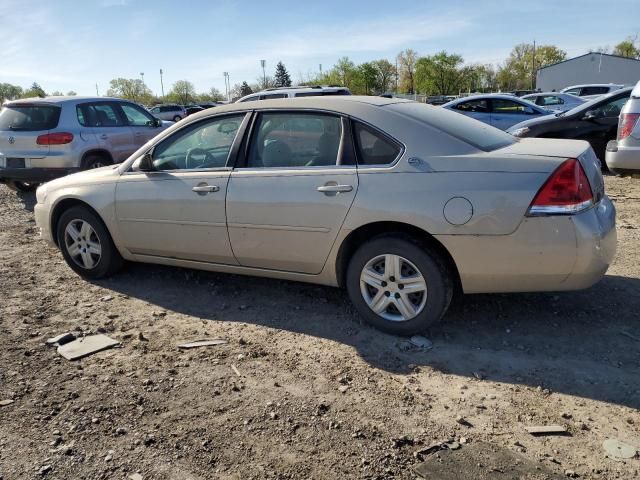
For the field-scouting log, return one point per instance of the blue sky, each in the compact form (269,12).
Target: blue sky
(72,45)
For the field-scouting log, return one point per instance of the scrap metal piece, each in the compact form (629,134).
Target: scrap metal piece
(85,346)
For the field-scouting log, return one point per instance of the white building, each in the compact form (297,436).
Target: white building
(589,68)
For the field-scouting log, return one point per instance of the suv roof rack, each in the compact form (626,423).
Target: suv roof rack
(291,88)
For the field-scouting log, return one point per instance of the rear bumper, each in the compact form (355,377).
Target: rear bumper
(544,254)
(622,159)
(34,175)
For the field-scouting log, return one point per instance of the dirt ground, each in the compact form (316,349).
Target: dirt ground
(303,390)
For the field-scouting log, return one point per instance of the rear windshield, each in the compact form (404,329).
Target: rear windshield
(29,118)
(478,134)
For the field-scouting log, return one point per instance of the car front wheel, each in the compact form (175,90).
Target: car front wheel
(398,285)
(86,244)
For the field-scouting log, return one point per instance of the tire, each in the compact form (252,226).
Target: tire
(95,161)
(105,263)
(177,118)
(19,186)
(427,306)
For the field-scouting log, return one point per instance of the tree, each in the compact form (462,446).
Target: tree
(344,70)
(442,73)
(130,89)
(518,71)
(368,78)
(57,93)
(10,92)
(385,72)
(281,77)
(213,95)
(628,48)
(407,64)
(35,91)
(245,89)
(182,92)
(71,93)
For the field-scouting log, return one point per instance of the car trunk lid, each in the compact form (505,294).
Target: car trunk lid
(20,126)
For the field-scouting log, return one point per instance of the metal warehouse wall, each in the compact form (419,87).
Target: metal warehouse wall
(591,68)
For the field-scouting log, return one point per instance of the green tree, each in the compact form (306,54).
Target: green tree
(385,73)
(628,48)
(245,89)
(518,71)
(10,92)
(57,93)
(442,73)
(130,89)
(213,95)
(182,92)
(71,93)
(34,91)
(281,76)
(407,69)
(368,78)
(344,71)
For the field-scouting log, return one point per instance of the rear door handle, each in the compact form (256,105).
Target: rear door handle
(204,189)
(335,188)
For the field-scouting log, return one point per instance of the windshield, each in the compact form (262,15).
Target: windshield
(478,134)
(591,104)
(29,118)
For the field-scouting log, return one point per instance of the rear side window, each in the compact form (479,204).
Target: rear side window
(594,90)
(273,95)
(29,118)
(99,115)
(373,147)
(477,106)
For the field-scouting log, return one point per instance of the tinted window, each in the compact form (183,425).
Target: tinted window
(155,109)
(373,147)
(573,91)
(612,108)
(273,95)
(29,118)
(594,91)
(550,100)
(478,106)
(250,99)
(295,140)
(136,116)
(203,145)
(508,106)
(478,134)
(99,115)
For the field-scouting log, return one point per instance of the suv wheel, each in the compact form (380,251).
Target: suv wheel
(86,244)
(398,285)
(95,161)
(177,118)
(22,186)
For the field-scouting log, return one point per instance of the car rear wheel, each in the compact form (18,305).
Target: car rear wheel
(398,285)
(177,118)
(95,161)
(22,186)
(86,244)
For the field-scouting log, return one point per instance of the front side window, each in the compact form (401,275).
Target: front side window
(476,106)
(573,91)
(509,106)
(612,108)
(203,145)
(99,115)
(550,100)
(136,116)
(373,147)
(295,140)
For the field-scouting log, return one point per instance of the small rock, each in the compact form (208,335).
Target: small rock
(463,421)
(135,476)
(109,456)
(106,298)
(273,415)
(4,403)
(44,469)
(95,420)
(343,388)
(571,474)
(421,342)
(121,431)
(567,416)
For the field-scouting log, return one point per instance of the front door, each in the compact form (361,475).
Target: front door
(287,203)
(178,209)
(506,113)
(143,125)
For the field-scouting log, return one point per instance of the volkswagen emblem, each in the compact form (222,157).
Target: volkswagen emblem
(12,140)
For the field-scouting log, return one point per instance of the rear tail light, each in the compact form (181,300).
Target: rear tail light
(565,192)
(627,122)
(56,138)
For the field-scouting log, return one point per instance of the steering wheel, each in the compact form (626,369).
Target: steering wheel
(190,162)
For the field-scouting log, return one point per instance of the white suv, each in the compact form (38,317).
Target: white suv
(291,92)
(592,89)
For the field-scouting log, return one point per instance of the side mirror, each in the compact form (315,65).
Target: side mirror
(592,114)
(157,123)
(145,164)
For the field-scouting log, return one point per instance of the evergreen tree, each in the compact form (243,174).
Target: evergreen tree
(282,78)
(245,89)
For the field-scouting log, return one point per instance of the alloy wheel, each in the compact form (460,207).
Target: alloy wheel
(82,244)
(393,287)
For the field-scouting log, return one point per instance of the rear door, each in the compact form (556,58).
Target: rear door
(20,126)
(505,113)
(142,123)
(288,198)
(478,109)
(108,123)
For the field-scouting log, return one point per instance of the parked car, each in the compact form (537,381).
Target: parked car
(623,154)
(499,110)
(173,113)
(45,138)
(191,109)
(209,105)
(595,121)
(592,89)
(291,92)
(397,201)
(554,101)
(437,100)
(520,93)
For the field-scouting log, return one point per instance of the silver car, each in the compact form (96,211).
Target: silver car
(45,138)
(554,101)
(172,113)
(623,154)
(401,203)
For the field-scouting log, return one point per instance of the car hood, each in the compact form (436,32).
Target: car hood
(542,120)
(95,175)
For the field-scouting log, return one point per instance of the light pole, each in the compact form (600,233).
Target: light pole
(161,84)
(97,94)
(264,75)
(227,85)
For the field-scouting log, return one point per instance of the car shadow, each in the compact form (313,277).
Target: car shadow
(28,199)
(579,343)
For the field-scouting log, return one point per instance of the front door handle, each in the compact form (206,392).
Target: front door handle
(335,188)
(204,189)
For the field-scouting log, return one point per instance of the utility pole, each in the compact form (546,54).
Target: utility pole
(161,84)
(533,67)
(97,94)
(396,75)
(226,84)
(264,75)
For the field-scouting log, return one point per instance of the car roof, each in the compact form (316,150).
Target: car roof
(594,85)
(63,99)
(500,96)
(296,89)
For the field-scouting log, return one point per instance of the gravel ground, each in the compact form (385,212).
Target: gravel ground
(302,389)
